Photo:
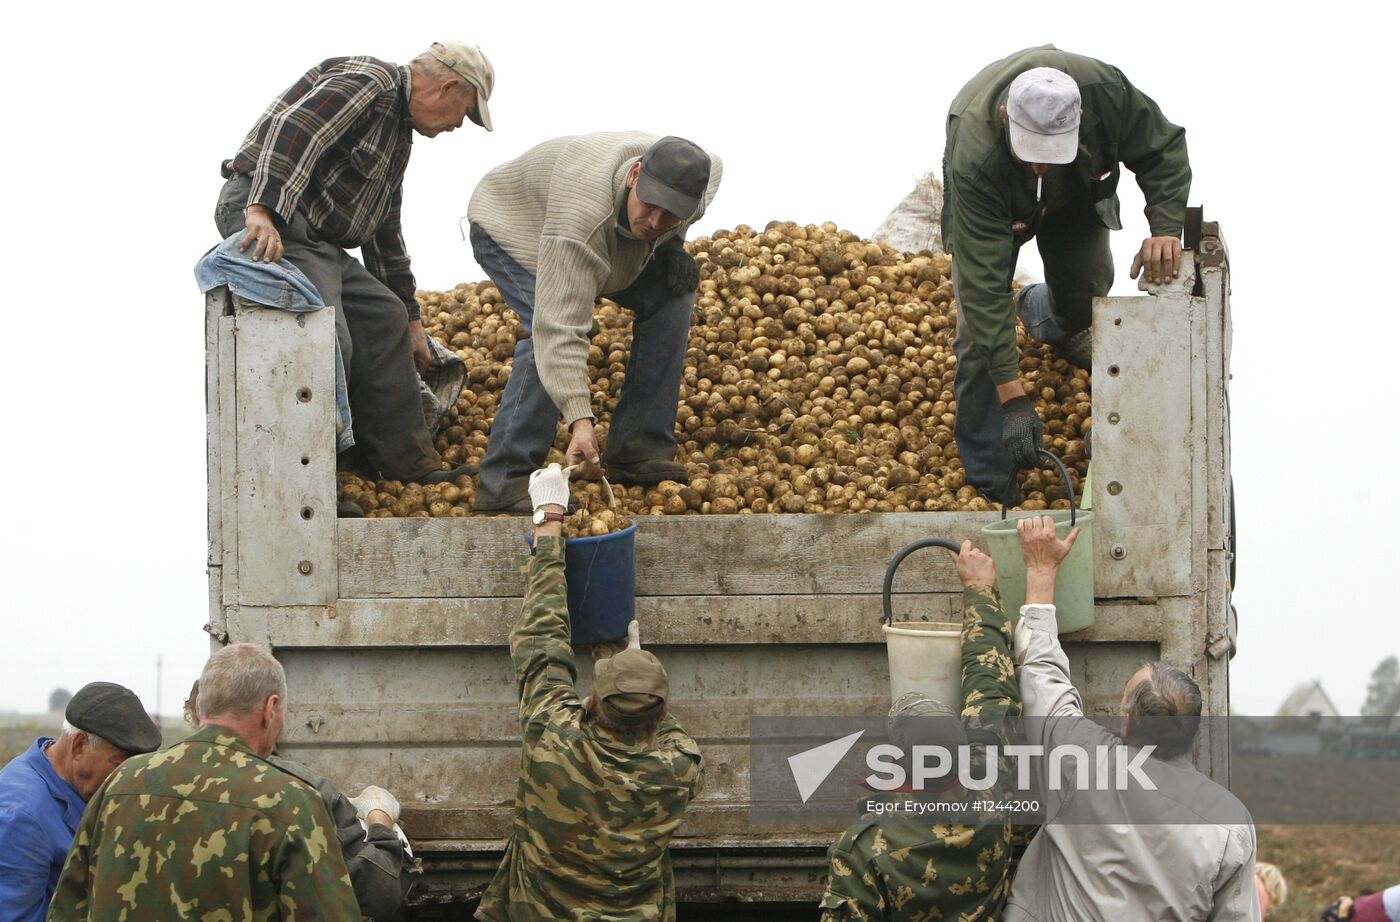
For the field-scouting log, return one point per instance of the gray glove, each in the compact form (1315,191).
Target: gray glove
(1021,432)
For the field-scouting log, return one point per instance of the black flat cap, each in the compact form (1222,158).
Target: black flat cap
(114,713)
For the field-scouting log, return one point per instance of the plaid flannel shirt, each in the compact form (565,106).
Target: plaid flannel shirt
(335,144)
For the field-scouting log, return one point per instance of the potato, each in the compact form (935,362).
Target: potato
(818,379)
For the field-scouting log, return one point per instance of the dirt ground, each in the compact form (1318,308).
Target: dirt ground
(1322,863)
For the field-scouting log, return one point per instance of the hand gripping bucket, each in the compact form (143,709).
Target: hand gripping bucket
(1074,583)
(924,656)
(601,575)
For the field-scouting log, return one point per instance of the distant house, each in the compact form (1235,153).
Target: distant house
(1390,708)
(1309,700)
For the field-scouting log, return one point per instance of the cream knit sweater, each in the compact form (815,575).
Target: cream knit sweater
(555,210)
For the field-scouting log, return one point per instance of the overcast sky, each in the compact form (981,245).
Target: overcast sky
(119,115)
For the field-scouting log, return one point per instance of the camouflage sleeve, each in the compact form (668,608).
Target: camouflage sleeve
(539,644)
(312,878)
(689,764)
(853,889)
(991,696)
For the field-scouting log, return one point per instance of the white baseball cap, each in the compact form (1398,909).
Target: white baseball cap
(469,63)
(1043,108)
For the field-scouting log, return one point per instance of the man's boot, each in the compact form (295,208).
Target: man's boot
(646,472)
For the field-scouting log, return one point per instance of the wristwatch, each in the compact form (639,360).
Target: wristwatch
(541,516)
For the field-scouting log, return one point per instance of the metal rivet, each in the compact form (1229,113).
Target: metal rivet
(1119,552)
(1113,418)
(307,512)
(1118,321)
(304,567)
(304,394)
(1114,488)
(1113,371)
(305,459)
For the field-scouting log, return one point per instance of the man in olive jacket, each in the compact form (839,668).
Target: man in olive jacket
(1035,143)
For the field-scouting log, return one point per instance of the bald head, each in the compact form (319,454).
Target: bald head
(1163,707)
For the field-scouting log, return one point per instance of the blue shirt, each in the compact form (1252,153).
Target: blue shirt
(39,814)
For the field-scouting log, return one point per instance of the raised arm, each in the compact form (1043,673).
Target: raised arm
(989,686)
(1046,689)
(539,644)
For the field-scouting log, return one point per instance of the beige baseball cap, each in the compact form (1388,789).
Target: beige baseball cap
(1043,109)
(632,686)
(469,63)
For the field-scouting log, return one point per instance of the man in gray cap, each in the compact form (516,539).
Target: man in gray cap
(320,173)
(43,792)
(565,222)
(583,844)
(1034,144)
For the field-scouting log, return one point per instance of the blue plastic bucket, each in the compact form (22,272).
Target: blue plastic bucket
(601,574)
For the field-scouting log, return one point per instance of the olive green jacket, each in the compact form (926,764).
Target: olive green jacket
(990,207)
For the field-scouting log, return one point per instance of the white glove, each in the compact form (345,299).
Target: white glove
(634,636)
(374,797)
(550,485)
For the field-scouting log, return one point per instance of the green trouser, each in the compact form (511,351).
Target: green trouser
(1073,245)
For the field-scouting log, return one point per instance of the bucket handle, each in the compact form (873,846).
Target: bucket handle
(888,616)
(1064,474)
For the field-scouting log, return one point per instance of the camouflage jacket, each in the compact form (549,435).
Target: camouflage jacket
(594,810)
(204,830)
(897,868)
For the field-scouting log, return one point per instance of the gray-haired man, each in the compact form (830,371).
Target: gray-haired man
(321,173)
(209,823)
(1183,851)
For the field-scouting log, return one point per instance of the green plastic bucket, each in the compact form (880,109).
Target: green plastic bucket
(1074,582)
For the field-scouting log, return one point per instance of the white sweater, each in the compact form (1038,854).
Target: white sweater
(555,210)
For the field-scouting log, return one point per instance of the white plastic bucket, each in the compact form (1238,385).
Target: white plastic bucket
(925,656)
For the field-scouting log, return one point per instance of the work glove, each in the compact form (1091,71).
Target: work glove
(678,269)
(1339,911)
(549,485)
(374,797)
(634,636)
(1021,432)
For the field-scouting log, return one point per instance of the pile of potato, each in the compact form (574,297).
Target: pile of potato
(819,378)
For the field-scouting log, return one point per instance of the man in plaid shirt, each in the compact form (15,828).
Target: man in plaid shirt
(322,173)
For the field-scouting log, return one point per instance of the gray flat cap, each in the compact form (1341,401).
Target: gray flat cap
(114,713)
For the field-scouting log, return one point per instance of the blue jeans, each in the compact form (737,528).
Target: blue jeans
(1073,245)
(644,421)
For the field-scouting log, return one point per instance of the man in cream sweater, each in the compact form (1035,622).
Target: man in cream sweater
(567,221)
